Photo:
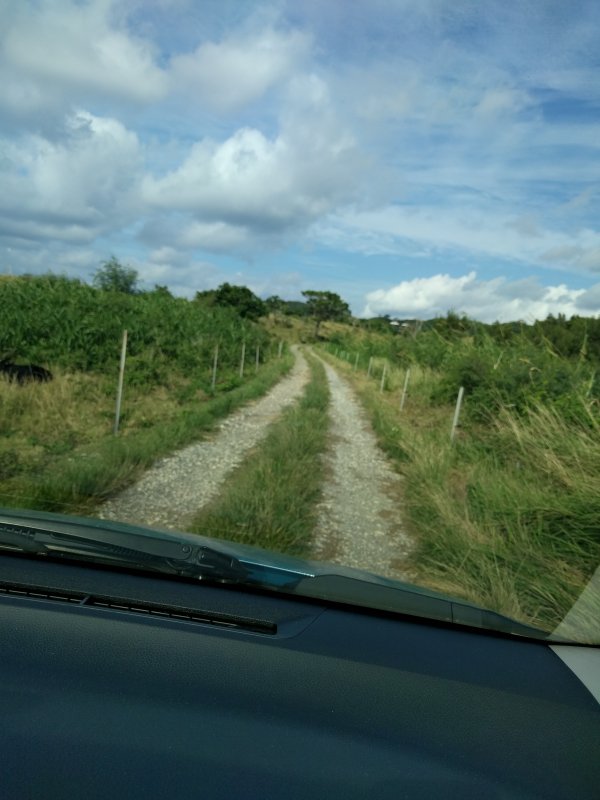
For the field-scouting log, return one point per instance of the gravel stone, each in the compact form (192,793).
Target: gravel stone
(172,491)
(359,517)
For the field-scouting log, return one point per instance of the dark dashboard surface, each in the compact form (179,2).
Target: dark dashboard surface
(121,685)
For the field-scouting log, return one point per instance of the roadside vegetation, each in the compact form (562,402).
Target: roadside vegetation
(270,500)
(57,448)
(63,323)
(508,514)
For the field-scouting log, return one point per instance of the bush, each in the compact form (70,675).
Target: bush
(55,320)
(516,377)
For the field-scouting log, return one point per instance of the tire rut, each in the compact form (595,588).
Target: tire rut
(172,491)
(359,517)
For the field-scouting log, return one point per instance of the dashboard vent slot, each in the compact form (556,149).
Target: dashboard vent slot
(39,593)
(183,614)
(156,610)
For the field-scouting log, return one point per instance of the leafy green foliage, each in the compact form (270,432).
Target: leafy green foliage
(61,454)
(325,305)
(296,308)
(112,276)
(274,304)
(500,366)
(61,322)
(244,301)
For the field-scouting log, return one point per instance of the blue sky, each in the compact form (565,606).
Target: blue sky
(412,155)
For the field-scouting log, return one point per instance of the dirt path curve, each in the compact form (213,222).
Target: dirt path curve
(359,521)
(170,493)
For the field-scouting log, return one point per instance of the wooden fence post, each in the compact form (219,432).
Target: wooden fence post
(461,392)
(405,389)
(120,382)
(383,378)
(213,382)
(243,359)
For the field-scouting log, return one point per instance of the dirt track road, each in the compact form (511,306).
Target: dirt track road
(176,488)
(359,521)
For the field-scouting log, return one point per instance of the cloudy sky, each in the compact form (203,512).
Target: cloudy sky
(414,156)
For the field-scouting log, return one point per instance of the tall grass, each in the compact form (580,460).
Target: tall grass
(270,500)
(509,515)
(57,452)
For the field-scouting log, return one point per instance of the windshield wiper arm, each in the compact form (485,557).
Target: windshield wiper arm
(138,549)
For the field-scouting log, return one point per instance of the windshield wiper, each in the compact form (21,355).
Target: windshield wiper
(152,550)
(188,555)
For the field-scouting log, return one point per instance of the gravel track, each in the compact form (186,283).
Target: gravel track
(171,493)
(359,521)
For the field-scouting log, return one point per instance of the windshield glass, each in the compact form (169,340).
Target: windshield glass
(315,277)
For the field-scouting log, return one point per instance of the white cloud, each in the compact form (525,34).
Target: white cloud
(590,259)
(589,301)
(36,257)
(499,101)
(240,69)
(488,301)
(73,189)
(252,187)
(476,231)
(214,236)
(167,254)
(183,279)
(585,255)
(400,127)
(55,52)
(582,198)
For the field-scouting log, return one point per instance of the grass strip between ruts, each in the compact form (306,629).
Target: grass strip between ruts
(270,500)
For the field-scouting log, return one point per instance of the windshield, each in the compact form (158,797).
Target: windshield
(319,278)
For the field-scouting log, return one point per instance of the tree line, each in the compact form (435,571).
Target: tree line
(321,305)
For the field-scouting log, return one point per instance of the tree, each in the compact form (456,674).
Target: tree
(274,304)
(325,305)
(112,276)
(245,302)
(295,308)
(163,291)
(206,298)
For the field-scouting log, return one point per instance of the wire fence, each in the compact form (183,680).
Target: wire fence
(392,379)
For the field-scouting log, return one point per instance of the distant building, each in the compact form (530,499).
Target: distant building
(405,326)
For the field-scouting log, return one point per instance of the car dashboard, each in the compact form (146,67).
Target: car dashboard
(123,684)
